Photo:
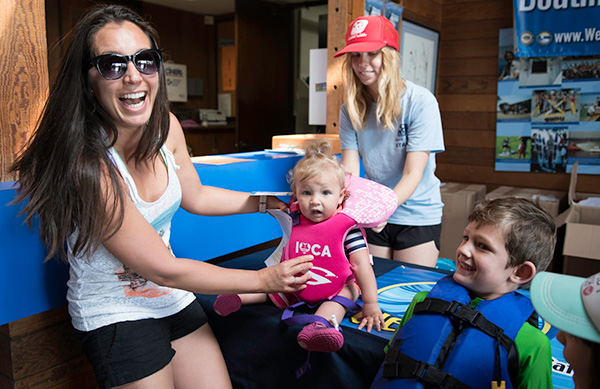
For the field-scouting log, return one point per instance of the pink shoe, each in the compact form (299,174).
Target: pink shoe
(226,304)
(318,337)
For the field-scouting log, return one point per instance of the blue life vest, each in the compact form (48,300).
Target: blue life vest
(449,344)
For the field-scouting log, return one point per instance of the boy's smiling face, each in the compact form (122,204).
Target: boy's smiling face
(481,262)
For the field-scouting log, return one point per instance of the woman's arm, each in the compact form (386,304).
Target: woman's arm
(138,246)
(208,200)
(411,175)
(351,161)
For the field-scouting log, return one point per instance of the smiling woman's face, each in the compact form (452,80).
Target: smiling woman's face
(367,67)
(130,99)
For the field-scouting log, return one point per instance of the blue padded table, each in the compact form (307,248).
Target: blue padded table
(30,286)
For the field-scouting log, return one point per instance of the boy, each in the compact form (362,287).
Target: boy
(472,329)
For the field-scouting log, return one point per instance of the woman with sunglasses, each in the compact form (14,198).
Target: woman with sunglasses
(104,172)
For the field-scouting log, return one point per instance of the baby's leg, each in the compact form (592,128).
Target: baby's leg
(316,336)
(329,308)
(226,304)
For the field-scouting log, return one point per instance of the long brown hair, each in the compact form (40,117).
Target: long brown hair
(61,168)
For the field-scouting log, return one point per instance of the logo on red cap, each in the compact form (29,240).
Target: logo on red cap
(370,33)
(358,29)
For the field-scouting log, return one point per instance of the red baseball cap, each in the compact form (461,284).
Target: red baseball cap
(369,33)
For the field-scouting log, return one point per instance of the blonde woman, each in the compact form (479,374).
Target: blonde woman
(394,127)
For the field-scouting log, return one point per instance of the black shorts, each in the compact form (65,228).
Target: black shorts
(128,351)
(402,237)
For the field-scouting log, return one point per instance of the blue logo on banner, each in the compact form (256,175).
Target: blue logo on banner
(557,28)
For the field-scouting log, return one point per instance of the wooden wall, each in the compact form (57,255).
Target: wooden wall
(24,75)
(466,87)
(42,351)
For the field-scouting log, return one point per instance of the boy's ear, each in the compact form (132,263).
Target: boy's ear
(523,273)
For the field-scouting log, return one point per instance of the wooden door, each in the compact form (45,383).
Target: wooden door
(264,33)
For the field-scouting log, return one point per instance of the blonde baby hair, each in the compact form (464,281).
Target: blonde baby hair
(318,158)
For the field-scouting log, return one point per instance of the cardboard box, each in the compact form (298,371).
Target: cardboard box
(581,248)
(552,201)
(296,142)
(459,200)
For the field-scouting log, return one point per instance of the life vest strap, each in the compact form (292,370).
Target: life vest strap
(290,319)
(399,365)
(466,314)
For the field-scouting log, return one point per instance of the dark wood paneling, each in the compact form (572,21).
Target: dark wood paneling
(425,12)
(476,48)
(467,67)
(73,374)
(477,120)
(42,351)
(462,155)
(454,11)
(475,29)
(211,142)
(487,175)
(467,85)
(469,138)
(467,103)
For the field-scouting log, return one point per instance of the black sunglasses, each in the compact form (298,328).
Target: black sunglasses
(114,66)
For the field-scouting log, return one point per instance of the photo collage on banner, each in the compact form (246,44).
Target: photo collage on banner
(547,112)
(391,10)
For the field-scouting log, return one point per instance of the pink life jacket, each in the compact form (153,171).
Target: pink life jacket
(325,241)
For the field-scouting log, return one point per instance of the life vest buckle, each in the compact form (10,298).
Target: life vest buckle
(467,314)
(431,374)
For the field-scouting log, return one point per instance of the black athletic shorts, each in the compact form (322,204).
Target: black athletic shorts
(402,237)
(128,351)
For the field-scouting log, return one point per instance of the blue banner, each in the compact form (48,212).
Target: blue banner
(557,28)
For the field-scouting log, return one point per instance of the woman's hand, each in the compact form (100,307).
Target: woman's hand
(273,202)
(379,227)
(371,315)
(288,276)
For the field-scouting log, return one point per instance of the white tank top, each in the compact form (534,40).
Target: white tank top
(102,291)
